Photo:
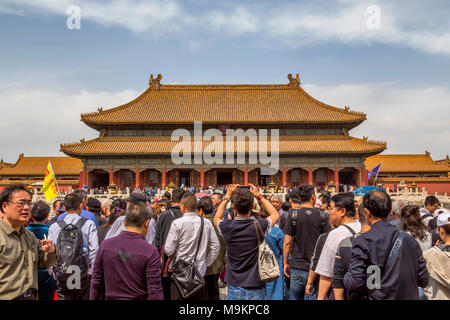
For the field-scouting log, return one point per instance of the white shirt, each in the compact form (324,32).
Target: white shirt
(325,265)
(89,231)
(182,240)
(119,226)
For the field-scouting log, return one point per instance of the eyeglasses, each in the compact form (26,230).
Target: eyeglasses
(22,204)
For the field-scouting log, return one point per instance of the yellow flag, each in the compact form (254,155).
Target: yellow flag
(49,187)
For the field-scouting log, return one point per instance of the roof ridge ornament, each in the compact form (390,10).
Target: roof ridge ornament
(155,82)
(100,109)
(347,109)
(365,138)
(427,153)
(294,82)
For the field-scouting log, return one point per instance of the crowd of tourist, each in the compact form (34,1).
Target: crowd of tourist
(186,245)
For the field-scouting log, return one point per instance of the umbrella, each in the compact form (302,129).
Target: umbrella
(361,191)
(202,194)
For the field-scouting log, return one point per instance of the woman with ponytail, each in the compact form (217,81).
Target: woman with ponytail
(118,208)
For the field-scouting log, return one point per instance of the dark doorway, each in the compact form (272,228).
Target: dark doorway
(224,178)
(100,179)
(348,177)
(264,180)
(185,178)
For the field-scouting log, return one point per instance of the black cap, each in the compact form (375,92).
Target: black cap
(94,205)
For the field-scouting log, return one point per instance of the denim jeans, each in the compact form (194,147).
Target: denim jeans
(238,293)
(299,279)
(422,295)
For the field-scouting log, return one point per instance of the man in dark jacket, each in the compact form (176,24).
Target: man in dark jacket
(162,230)
(370,252)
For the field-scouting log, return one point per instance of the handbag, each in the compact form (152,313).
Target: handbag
(185,274)
(267,263)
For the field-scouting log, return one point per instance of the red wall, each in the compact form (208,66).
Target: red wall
(431,188)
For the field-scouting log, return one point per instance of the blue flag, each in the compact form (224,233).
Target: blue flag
(375,171)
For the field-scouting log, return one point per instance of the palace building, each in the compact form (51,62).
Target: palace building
(412,169)
(134,145)
(31,170)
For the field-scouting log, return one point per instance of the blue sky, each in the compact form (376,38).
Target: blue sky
(398,74)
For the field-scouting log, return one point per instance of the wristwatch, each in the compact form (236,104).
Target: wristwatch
(226,198)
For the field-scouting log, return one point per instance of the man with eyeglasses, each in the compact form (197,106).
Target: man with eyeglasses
(21,253)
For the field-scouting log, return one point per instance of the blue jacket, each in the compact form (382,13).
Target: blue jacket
(84,214)
(39,229)
(402,279)
(275,289)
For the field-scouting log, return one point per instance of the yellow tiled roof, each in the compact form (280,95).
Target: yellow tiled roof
(287,103)
(405,163)
(6,182)
(163,145)
(36,166)
(414,179)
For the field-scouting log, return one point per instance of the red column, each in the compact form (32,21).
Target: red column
(310,176)
(163,178)
(82,178)
(284,177)
(336,178)
(202,177)
(138,178)
(364,177)
(246,176)
(111,176)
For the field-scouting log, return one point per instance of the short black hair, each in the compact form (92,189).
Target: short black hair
(7,193)
(243,200)
(306,192)
(294,196)
(219,194)
(177,194)
(40,211)
(72,201)
(326,198)
(205,204)
(167,195)
(80,193)
(285,206)
(431,200)
(189,200)
(136,197)
(137,214)
(362,214)
(344,201)
(378,202)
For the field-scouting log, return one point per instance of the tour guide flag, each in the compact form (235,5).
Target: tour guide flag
(49,187)
(375,171)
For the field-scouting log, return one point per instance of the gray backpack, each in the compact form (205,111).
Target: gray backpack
(70,250)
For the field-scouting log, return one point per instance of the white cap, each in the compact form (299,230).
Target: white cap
(443,219)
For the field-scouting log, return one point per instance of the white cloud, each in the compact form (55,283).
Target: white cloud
(156,16)
(38,121)
(410,120)
(405,24)
(238,21)
(348,24)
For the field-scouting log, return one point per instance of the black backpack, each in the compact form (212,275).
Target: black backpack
(70,250)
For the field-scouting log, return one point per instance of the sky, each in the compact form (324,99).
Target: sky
(390,60)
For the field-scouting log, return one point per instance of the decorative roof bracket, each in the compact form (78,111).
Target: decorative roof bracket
(294,82)
(155,82)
